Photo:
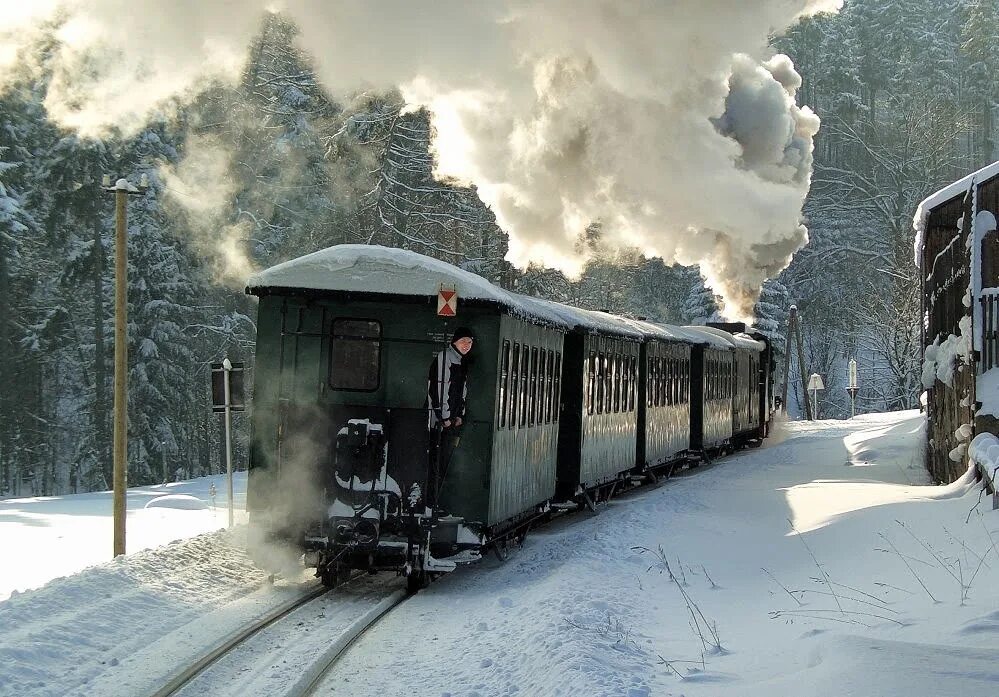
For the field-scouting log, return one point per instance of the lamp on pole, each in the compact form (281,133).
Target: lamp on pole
(852,387)
(121,190)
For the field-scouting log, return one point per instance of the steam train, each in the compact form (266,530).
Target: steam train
(565,407)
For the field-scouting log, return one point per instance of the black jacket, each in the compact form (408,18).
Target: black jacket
(446,387)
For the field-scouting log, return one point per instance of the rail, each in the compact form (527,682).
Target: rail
(314,675)
(307,681)
(178,681)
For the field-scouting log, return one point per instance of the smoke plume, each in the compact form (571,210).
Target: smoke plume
(671,122)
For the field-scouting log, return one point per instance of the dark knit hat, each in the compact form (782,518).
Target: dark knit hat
(462,332)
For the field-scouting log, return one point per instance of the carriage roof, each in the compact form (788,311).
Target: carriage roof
(720,338)
(360,268)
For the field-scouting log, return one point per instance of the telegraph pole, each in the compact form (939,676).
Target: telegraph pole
(121,191)
(794,330)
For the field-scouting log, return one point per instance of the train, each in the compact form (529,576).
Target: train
(565,408)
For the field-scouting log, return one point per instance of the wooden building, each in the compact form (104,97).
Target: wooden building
(957,252)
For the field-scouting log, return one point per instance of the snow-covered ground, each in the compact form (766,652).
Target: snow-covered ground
(45,537)
(822,564)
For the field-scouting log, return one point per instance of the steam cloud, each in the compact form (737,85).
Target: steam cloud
(670,121)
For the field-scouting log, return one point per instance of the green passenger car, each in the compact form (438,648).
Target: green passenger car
(345,342)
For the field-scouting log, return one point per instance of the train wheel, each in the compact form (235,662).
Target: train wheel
(331,575)
(417,580)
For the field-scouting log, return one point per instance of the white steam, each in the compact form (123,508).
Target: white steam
(669,121)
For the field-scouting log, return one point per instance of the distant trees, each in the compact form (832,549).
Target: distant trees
(907,98)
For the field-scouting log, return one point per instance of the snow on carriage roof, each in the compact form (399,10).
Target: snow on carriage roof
(376,269)
(604,321)
(957,188)
(723,339)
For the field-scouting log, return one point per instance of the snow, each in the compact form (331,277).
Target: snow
(712,337)
(797,555)
(738,340)
(184,502)
(940,359)
(987,392)
(386,270)
(984,452)
(45,537)
(376,269)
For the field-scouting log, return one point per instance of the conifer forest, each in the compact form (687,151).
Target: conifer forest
(905,90)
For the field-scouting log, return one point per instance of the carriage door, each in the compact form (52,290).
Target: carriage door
(304,428)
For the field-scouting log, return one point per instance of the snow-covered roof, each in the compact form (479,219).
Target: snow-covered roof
(375,269)
(720,338)
(595,320)
(958,188)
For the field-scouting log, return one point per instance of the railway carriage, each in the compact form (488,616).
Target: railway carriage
(665,393)
(711,405)
(345,337)
(563,404)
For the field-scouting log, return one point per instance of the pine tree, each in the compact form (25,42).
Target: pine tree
(701,305)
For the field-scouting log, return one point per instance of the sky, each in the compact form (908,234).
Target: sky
(822,564)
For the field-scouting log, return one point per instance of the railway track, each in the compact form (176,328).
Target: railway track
(292,648)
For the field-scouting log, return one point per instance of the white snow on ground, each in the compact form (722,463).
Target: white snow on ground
(784,558)
(45,537)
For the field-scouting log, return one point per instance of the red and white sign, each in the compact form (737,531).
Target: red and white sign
(447,303)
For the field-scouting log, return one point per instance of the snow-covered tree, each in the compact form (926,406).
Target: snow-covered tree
(701,305)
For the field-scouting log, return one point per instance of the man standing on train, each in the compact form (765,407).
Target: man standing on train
(447,391)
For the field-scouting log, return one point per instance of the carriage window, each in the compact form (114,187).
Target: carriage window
(525,366)
(542,385)
(515,386)
(599,397)
(591,383)
(548,358)
(686,381)
(671,382)
(654,382)
(533,413)
(615,394)
(556,385)
(504,383)
(625,381)
(633,378)
(662,382)
(355,356)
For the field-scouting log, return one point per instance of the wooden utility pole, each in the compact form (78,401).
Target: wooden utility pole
(121,190)
(794,330)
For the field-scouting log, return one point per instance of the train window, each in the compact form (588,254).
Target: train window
(532,414)
(591,383)
(525,366)
(599,397)
(625,382)
(556,386)
(515,386)
(633,372)
(542,384)
(504,383)
(663,380)
(670,381)
(549,380)
(686,381)
(657,384)
(650,380)
(355,355)
(615,405)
